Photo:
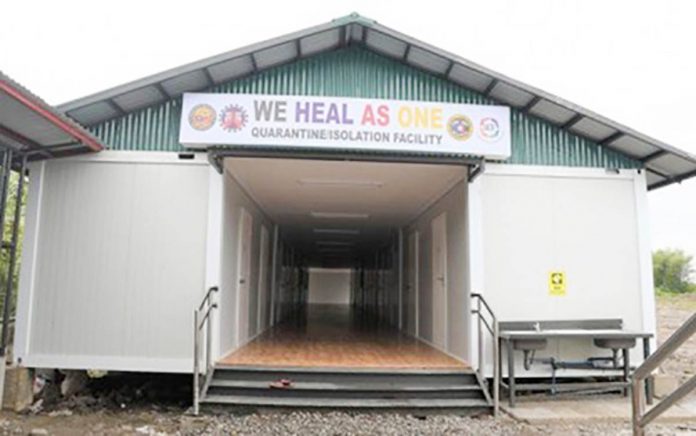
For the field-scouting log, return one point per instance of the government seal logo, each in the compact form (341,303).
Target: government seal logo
(460,127)
(202,117)
(489,129)
(233,118)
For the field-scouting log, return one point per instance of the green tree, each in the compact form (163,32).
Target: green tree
(673,271)
(7,237)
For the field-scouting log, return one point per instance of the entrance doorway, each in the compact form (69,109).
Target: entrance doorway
(347,288)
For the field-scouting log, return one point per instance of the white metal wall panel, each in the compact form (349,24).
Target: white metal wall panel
(454,204)
(235,198)
(118,264)
(579,221)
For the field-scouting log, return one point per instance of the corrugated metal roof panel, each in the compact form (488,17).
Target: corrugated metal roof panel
(385,44)
(592,129)
(469,78)
(510,94)
(228,70)
(320,42)
(139,98)
(94,112)
(29,126)
(668,163)
(633,146)
(552,112)
(277,55)
(192,81)
(427,61)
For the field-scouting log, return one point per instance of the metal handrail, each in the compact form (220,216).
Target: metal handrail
(208,294)
(641,375)
(492,328)
(201,320)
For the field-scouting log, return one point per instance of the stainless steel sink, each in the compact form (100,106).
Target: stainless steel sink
(615,343)
(529,344)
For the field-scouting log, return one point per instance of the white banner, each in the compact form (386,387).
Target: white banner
(344,123)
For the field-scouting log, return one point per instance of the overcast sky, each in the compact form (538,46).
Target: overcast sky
(632,61)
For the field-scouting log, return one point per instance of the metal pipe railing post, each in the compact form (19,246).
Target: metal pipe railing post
(208,340)
(196,381)
(202,318)
(496,368)
(480,337)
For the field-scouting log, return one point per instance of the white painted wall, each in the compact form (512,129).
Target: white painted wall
(329,286)
(235,200)
(114,262)
(454,205)
(584,222)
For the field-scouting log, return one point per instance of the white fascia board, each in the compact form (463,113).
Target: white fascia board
(149,157)
(493,169)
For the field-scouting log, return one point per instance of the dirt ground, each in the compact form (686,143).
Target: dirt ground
(128,410)
(672,311)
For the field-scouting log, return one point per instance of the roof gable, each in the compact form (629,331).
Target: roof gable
(361,73)
(665,164)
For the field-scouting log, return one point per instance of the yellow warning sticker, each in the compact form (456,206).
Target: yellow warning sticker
(557,283)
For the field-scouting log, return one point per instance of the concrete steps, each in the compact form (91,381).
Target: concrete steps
(338,388)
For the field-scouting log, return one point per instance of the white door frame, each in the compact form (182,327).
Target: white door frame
(441,222)
(244,217)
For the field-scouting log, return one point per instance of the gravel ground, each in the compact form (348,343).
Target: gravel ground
(113,415)
(303,423)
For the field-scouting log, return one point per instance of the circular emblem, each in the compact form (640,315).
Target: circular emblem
(489,129)
(233,118)
(202,117)
(460,127)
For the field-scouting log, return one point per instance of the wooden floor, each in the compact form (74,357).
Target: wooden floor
(332,336)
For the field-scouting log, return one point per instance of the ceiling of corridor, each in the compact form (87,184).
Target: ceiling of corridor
(339,209)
